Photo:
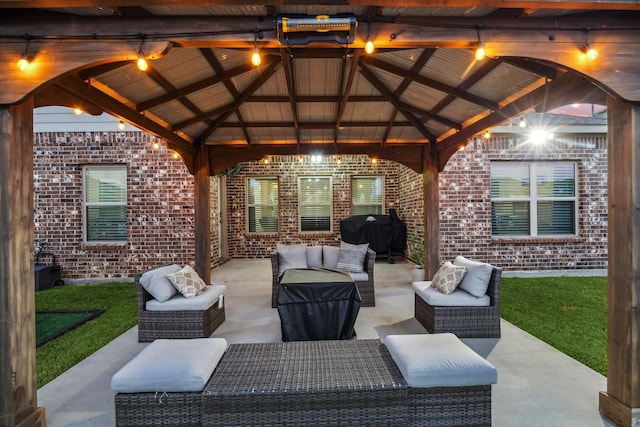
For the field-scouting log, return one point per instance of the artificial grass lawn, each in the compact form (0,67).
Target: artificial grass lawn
(568,313)
(119,302)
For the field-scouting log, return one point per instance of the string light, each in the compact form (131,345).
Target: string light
(156,145)
(369,46)
(23,62)
(522,123)
(142,62)
(487,134)
(77,111)
(121,125)
(591,53)
(255,58)
(480,52)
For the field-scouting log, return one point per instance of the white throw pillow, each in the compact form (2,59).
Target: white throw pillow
(187,282)
(476,279)
(448,277)
(351,257)
(291,256)
(156,283)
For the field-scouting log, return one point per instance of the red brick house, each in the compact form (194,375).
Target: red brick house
(558,223)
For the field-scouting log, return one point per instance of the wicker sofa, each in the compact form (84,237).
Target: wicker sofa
(181,323)
(465,321)
(355,382)
(364,280)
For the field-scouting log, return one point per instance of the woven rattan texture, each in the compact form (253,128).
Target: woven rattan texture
(465,322)
(158,409)
(181,324)
(306,383)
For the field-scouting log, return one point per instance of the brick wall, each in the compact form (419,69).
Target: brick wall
(160,204)
(288,169)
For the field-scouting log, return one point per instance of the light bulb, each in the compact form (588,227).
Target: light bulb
(487,135)
(22,63)
(480,53)
(156,145)
(522,123)
(369,47)
(590,52)
(142,64)
(255,58)
(121,125)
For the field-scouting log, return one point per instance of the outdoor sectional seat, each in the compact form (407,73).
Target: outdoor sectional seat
(472,310)
(408,380)
(323,257)
(169,314)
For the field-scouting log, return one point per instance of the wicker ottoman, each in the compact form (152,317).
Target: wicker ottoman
(306,383)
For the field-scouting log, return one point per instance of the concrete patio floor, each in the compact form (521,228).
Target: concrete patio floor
(537,385)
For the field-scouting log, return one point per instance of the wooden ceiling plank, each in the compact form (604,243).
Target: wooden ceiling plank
(291,89)
(426,81)
(368,74)
(194,87)
(219,69)
(255,85)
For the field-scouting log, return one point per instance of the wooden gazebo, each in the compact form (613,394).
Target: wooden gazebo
(416,99)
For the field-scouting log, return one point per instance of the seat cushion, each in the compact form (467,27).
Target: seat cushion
(209,296)
(330,256)
(170,365)
(476,279)
(359,277)
(157,284)
(459,297)
(439,360)
(291,256)
(314,256)
(351,257)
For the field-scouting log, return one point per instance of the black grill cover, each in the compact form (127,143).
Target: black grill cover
(386,234)
(317,304)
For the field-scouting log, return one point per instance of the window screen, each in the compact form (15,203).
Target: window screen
(366,195)
(105,203)
(262,205)
(315,203)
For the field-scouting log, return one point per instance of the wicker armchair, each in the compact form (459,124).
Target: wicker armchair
(153,325)
(464,321)
(367,292)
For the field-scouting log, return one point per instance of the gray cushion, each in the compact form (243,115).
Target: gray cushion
(476,279)
(314,256)
(291,256)
(351,257)
(330,256)
(170,365)
(205,299)
(434,297)
(439,360)
(157,284)
(359,277)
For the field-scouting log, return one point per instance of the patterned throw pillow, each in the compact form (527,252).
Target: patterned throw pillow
(187,282)
(351,257)
(448,277)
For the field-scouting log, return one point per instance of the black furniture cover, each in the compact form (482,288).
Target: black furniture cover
(317,304)
(386,234)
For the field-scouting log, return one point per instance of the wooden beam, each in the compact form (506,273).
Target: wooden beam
(512,4)
(431,210)
(621,401)
(202,214)
(290,80)
(222,156)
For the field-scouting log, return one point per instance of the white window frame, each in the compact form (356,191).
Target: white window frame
(273,205)
(85,222)
(533,198)
(301,203)
(355,204)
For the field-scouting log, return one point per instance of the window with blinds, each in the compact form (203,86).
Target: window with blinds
(533,198)
(105,203)
(315,203)
(367,195)
(262,205)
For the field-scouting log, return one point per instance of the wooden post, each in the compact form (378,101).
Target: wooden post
(621,401)
(430,177)
(202,212)
(18,385)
